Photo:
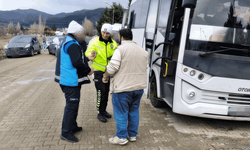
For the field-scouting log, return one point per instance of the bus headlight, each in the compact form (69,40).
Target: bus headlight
(192,73)
(197,75)
(201,76)
(191,95)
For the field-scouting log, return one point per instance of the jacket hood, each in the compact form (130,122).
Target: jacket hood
(74,27)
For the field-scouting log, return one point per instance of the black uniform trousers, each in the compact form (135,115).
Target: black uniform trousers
(72,96)
(102,90)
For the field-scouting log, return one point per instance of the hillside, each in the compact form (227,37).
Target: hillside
(29,16)
(92,15)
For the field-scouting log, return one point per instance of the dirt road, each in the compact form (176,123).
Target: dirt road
(31,111)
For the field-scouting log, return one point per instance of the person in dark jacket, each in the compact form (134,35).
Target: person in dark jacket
(71,72)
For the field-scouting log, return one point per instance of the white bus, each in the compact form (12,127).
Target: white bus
(199,55)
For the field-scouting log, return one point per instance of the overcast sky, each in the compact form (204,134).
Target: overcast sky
(58,6)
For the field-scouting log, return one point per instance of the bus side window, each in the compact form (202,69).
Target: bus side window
(132,20)
(176,28)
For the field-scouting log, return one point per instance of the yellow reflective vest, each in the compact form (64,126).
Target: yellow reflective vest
(104,52)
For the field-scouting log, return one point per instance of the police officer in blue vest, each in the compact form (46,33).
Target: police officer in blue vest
(72,70)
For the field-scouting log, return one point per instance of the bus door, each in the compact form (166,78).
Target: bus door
(160,89)
(170,48)
(150,31)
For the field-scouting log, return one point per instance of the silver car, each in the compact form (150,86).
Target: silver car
(49,41)
(56,44)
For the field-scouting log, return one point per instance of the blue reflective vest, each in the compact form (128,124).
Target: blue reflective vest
(66,73)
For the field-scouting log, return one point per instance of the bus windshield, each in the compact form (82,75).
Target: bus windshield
(220,30)
(220,23)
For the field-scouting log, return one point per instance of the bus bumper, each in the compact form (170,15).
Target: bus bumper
(207,105)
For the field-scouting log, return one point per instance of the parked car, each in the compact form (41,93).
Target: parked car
(115,31)
(48,41)
(56,44)
(87,39)
(22,45)
(115,36)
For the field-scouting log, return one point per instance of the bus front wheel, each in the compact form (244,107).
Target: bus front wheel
(156,102)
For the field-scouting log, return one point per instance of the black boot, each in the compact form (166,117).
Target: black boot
(101,118)
(69,137)
(77,129)
(107,115)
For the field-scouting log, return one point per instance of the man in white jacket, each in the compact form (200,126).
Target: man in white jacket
(128,66)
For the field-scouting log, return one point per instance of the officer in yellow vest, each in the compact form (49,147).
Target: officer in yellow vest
(104,46)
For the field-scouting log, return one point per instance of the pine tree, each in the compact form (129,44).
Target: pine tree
(129,3)
(53,28)
(103,19)
(107,16)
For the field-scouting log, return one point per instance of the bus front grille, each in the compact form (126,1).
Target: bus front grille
(240,99)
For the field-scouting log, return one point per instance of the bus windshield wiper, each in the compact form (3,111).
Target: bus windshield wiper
(223,50)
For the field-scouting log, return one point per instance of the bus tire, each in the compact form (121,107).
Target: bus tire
(156,102)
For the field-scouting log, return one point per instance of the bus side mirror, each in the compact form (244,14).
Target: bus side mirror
(189,3)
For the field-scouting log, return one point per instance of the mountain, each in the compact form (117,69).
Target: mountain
(61,20)
(24,17)
(79,16)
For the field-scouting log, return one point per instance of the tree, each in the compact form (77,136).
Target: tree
(41,24)
(11,29)
(102,20)
(2,31)
(48,31)
(129,3)
(18,27)
(88,27)
(107,16)
(53,28)
(33,28)
(22,28)
(233,22)
(38,28)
